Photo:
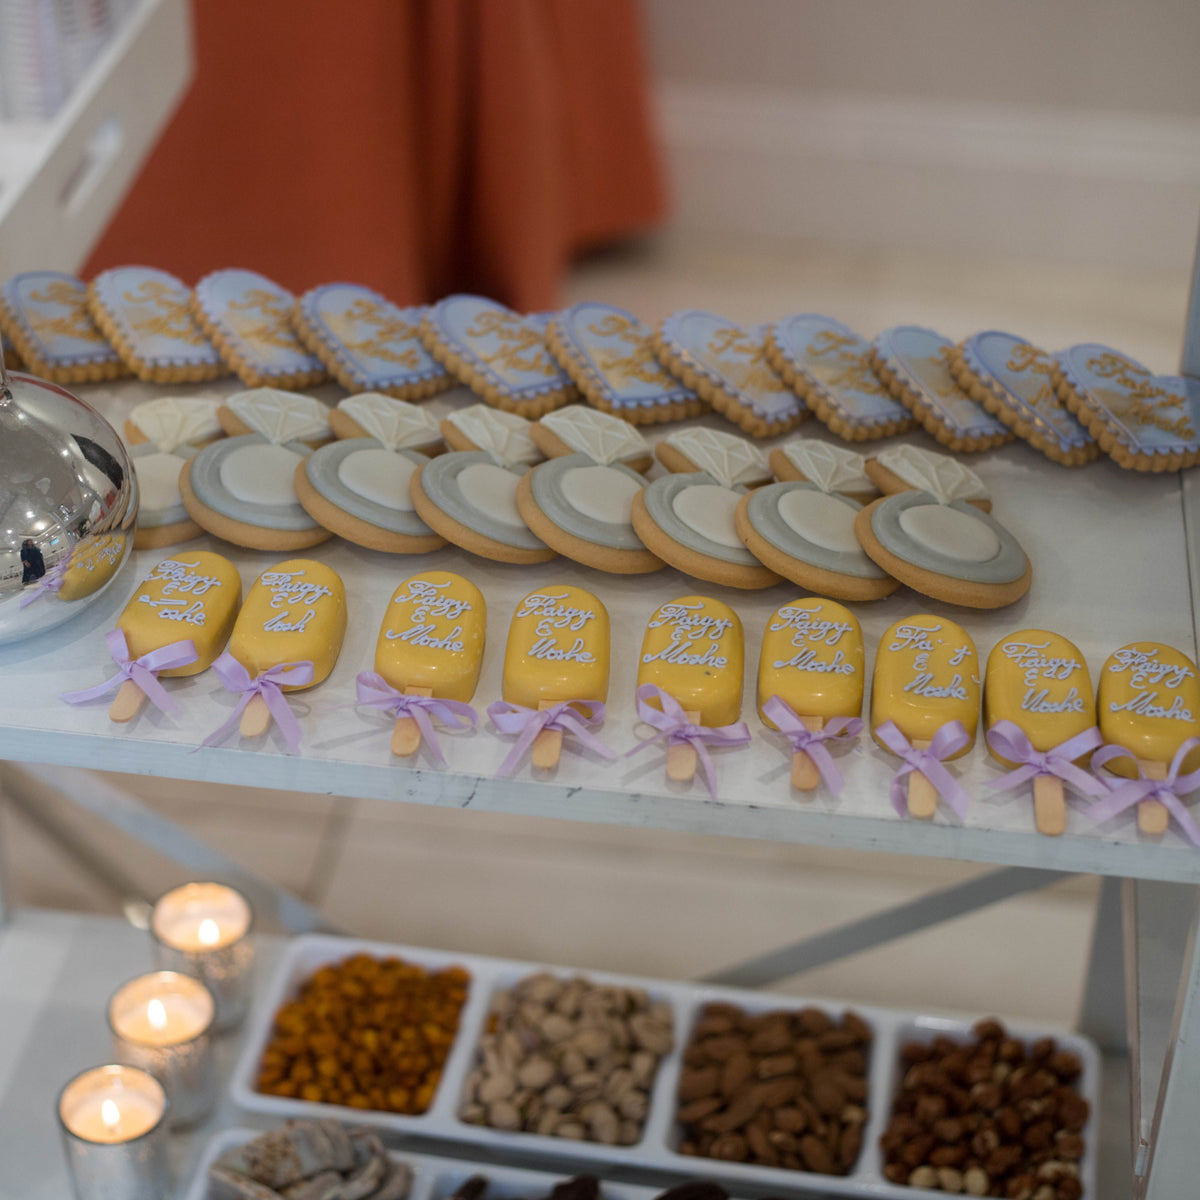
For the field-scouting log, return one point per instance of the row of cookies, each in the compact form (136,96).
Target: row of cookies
(572,484)
(767,379)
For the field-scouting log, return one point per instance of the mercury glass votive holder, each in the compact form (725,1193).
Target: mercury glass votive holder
(113,1121)
(162,1023)
(206,930)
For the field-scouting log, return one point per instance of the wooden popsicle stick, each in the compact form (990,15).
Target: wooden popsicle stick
(547,746)
(256,718)
(406,736)
(805,776)
(1049,808)
(681,757)
(922,795)
(127,703)
(1153,817)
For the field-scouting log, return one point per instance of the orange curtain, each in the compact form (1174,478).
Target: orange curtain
(419,147)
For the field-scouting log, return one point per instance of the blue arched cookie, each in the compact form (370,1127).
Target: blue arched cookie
(1015,382)
(826,365)
(367,343)
(727,366)
(1144,421)
(498,354)
(147,316)
(249,320)
(610,355)
(44,314)
(915,365)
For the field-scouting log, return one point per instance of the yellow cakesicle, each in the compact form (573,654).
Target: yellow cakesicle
(694,649)
(1149,704)
(431,644)
(295,612)
(558,649)
(188,597)
(812,659)
(1039,681)
(93,563)
(926,675)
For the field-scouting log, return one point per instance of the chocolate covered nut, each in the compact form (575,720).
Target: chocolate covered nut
(697,1082)
(735,1072)
(816,1155)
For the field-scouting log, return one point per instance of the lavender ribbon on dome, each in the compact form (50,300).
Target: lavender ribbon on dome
(375,692)
(47,585)
(671,722)
(269,685)
(143,671)
(1011,743)
(564,717)
(950,739)
(1169,792)
(811,741)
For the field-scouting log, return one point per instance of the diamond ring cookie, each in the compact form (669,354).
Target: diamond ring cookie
(147,316)
(1015,382)
(469,495)
(688,520)
(914,363)
(610,355)
(832,468)
(1143,421)
(498,354)
(44,314)
(162,435)
(944,545)
(359,487)
(903,468)
(804,529)
(580,501)
(827,366)
(248,318)
(367,343)
(727,366)
(301,418)
(242,489)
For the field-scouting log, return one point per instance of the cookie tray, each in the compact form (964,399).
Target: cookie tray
(434,1178)
(654,1156)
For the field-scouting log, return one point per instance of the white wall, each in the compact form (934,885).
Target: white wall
(1062,128)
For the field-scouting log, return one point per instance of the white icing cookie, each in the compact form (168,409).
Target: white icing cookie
(503,436)
(600,436)
(731,460)
(279,416)
(395,424)
(830,468)
(173,421)
(898,468)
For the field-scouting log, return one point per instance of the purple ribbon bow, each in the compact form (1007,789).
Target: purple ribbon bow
(1169,792)
(143,671)
(811,741)
(375,692)
(1010,742)
(47,585)
(268,685)
(948,740)
(527,723)
(671,722)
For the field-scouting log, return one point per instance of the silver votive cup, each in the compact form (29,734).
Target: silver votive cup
(206,930)
(113,1121)
(162,1023)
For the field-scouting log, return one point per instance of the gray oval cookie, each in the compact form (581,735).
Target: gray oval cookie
(369,482)
(467,486)
(689,510)
(249,479)
(588,500)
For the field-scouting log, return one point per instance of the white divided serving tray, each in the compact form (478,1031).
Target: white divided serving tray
(434,1178)
(654,1155)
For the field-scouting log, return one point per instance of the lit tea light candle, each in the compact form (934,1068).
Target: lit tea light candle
(204,929)
(114,1134)
(161,1023)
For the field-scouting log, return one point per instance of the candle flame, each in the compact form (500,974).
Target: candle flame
(209,933)
(157,1014)
(110,1114)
